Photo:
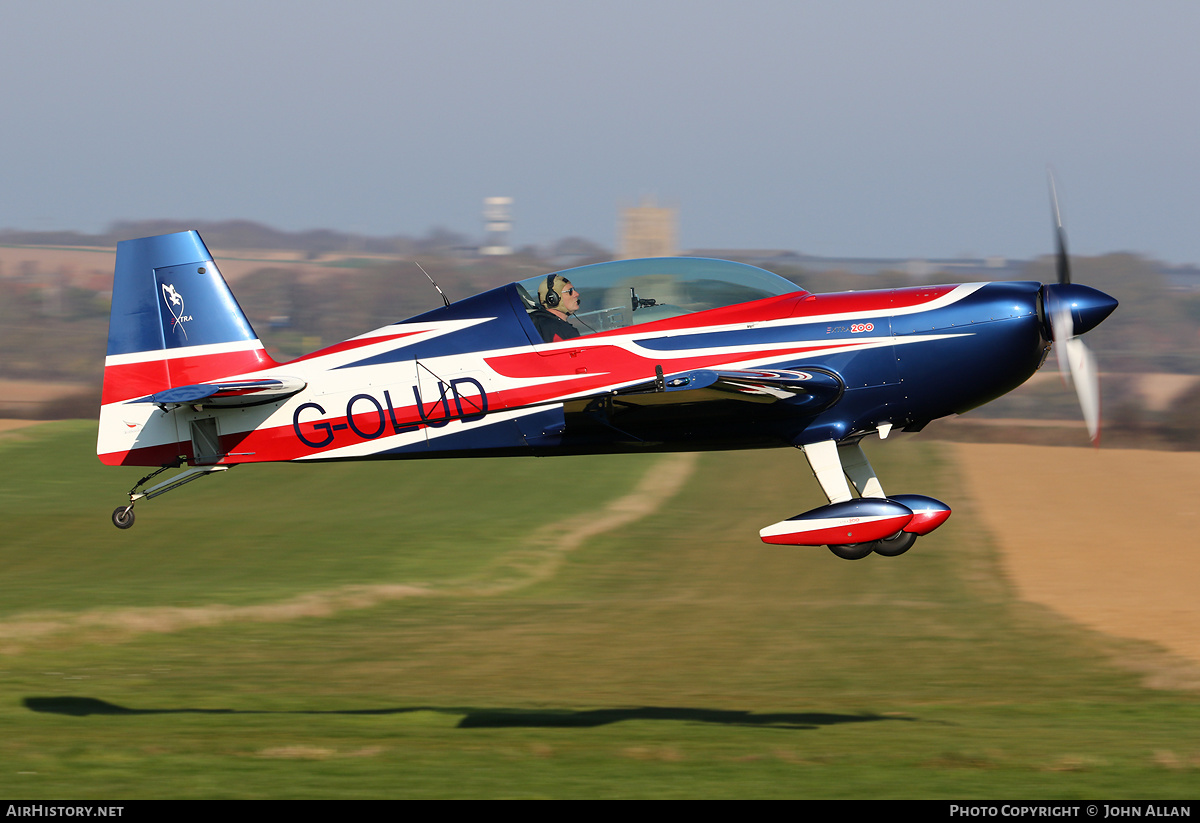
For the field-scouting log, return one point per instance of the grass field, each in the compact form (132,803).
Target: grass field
(512,628)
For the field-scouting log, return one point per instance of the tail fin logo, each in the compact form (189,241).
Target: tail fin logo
(174,301)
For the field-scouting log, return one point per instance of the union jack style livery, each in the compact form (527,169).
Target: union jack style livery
(672,354)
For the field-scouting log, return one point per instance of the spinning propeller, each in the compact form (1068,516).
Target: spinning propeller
(1072,310)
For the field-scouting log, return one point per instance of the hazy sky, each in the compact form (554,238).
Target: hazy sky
(832,128)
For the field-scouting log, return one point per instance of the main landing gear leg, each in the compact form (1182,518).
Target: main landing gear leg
(122,516)
(859,470)
(832,464)
(826,466)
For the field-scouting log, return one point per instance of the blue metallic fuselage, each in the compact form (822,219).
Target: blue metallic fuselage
(673,354)
(914,365)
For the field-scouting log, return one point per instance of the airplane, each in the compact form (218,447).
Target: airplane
(667,354)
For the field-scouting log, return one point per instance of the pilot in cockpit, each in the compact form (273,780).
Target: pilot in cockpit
(557,300)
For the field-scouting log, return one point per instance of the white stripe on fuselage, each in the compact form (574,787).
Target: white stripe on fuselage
(186,351)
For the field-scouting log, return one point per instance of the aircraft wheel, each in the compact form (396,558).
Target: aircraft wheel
(896,545)
(853,551)
(122,517)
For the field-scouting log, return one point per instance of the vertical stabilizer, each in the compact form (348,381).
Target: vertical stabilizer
(174,322)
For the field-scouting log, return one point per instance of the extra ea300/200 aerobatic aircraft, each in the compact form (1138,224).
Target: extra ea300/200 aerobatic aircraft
(672,354)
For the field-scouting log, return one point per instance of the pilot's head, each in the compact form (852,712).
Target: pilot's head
(558,295)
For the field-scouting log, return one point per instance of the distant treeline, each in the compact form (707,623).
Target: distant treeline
(245,234)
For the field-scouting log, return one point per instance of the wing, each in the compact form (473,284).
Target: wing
(811,390)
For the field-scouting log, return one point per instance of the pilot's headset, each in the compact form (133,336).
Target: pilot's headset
(551,298)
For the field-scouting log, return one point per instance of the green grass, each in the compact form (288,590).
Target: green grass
(673,657)
(261,533)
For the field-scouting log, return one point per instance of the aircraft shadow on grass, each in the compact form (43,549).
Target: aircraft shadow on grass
(501,718)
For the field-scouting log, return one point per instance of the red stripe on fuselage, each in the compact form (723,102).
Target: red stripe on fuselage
(127,381)
(160,455)
(869,302)
(609,365)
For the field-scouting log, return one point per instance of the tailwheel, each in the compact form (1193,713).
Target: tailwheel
(896,545)
(854,551)
(122,517)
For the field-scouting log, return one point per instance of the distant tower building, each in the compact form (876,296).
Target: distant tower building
(647,231)
(497,223)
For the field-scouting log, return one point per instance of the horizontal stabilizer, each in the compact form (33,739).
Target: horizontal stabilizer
(228,394)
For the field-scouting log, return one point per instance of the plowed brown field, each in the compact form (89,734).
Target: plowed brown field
(1107,538)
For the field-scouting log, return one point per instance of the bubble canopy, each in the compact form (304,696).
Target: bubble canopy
(630,292)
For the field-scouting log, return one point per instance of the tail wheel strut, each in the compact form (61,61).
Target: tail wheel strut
(122,516)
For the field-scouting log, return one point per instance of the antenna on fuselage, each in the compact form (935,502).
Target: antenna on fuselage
(445,299)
